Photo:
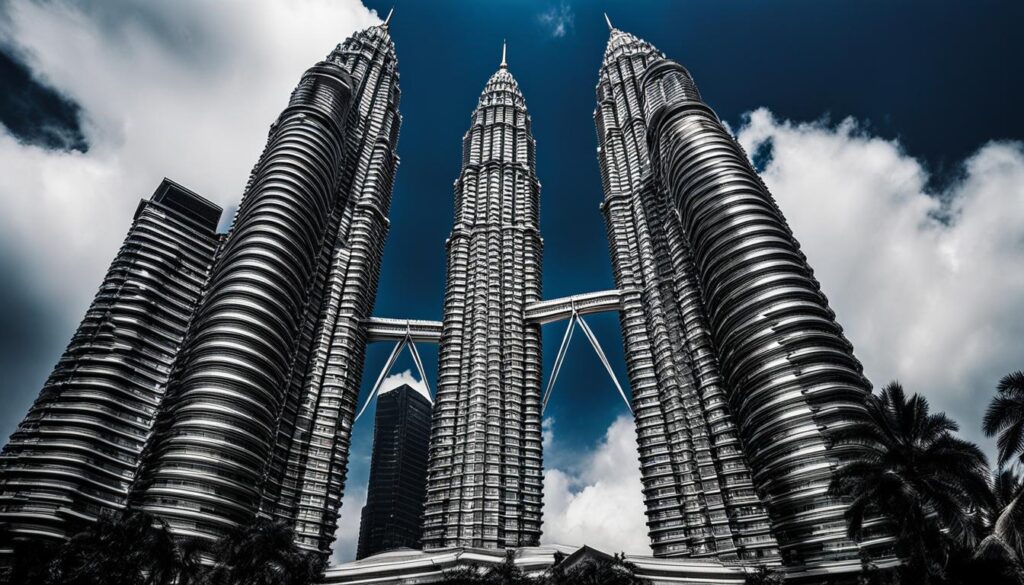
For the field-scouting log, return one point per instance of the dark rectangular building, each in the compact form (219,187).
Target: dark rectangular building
(392,516)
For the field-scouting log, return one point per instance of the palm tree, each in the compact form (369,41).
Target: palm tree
(930,484)
(30,561)
(191,570)
(1006,520)
(126,548)
(264,553)
(1005,417)
(599,570)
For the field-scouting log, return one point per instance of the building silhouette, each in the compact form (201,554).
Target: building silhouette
(393,515)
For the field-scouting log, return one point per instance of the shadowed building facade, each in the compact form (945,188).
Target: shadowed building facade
(484,484)
(393,515)
(76,453)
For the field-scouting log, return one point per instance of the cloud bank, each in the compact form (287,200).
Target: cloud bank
(599,502)
(185,90)
(405,378)
(929,285)
(347,534)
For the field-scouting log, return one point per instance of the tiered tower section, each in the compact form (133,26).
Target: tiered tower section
(307,478)
(209,460)
(484,484)
(792,375)
(76,453)
(697,484)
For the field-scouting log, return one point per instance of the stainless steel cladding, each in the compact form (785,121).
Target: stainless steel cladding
(791,373)
(208,462)
(307,478)
(75,454)
(697,483)
(484,480)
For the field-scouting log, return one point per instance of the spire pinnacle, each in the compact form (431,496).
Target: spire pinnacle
(609,21)
(387,19)
(504,63)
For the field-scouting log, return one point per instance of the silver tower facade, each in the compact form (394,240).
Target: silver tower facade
(208,462)
(76,453)
(792,375)
(259,414)
(698,488)
(484,478)
(308,478)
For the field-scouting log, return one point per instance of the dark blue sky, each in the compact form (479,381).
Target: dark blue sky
(942,77)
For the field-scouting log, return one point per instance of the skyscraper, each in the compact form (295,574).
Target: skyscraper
(214,378)
(690,219)
(697,485)
(393,514)
(484,484)
(259,411)
(76,453)
(793,375)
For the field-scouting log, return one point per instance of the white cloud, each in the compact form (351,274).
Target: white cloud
(185,90)
(547,432)
(347,534)
(600,504)
(404,378)
(929,285)
(558,20)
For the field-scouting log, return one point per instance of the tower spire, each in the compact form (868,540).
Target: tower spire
(504,63)
(609,21)
(387,19)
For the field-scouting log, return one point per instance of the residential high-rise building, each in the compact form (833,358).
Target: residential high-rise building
(393,514)
(484,483)
(76,453)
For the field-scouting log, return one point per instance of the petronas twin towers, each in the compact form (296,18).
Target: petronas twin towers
(215,376)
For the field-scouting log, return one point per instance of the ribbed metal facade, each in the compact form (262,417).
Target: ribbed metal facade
(307,479)
(393,515)
(791,373)
(484,484)
(208,461)
(77,451)
(697,484)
